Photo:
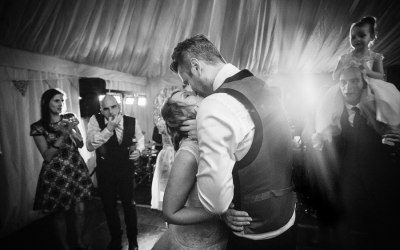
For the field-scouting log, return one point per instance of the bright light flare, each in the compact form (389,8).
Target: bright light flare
(142,101)
(309,93)
(118,98)
(130,100)
(302,94)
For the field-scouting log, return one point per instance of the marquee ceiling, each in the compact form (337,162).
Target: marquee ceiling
(137,37)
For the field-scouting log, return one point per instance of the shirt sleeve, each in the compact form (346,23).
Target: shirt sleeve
(139,137)
(95,136)
(220,130)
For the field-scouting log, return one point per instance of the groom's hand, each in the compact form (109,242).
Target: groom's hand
(190,126)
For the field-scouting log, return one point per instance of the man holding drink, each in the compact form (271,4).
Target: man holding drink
(113,136)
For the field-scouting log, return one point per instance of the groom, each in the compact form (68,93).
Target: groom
(244,139)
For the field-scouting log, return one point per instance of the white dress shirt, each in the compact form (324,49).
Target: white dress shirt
(97,137)
(225,133)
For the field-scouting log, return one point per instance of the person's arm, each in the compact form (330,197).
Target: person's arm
(136,149)
(46,150)
(180,183)
(76,134)
(95,136)
(377,69)
(392,137)
(220,125)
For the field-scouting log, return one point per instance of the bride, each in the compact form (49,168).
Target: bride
(191,226)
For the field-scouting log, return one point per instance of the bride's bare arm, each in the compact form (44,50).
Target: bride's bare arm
(180,183)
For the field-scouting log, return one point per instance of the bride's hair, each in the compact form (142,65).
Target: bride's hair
(175,113)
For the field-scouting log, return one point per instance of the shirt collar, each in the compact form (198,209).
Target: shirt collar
(349,106)
(226,71)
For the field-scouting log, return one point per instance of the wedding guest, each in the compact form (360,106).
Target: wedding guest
(113,136)
(358,135)
(64,183)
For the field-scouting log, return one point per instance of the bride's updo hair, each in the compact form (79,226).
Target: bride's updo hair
(175,113)
(370,21)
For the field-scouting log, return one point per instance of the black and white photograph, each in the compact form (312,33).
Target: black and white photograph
(199,124)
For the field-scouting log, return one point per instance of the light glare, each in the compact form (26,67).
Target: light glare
(118,98)
(142,101)
(129,100)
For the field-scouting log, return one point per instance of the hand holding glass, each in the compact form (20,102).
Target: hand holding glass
(134,153)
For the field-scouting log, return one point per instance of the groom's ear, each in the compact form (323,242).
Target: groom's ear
(195,66)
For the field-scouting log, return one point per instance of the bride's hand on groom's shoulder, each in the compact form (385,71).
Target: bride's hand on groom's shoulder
(235,219)
(190,126)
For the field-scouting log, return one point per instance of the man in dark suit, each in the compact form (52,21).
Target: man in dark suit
(366,156)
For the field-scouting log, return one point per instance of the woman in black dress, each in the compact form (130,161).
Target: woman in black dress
(64,182)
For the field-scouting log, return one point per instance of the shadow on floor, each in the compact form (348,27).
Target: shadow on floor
(40,235)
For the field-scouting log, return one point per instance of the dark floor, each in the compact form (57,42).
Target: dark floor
(39,235)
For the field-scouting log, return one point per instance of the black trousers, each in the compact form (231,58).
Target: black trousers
(285,241)
(116,181)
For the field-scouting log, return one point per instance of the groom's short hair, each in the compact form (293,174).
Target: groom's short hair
(198,47)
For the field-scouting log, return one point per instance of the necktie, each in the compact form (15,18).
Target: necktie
(357,117)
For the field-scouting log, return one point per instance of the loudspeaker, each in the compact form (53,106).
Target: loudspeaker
(393,75)
(89,91)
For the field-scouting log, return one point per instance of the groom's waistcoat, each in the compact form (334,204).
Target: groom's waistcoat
(263,178)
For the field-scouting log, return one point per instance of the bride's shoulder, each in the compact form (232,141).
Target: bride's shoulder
(189,145)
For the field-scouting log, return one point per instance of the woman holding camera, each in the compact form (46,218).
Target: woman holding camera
(64,182)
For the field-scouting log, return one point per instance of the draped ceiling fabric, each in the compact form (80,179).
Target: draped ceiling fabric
(129,42)
(137,37)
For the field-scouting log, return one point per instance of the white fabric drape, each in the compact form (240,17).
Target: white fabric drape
(137,36)
(129,42)
(38,62)
(141,115)
(20,159)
